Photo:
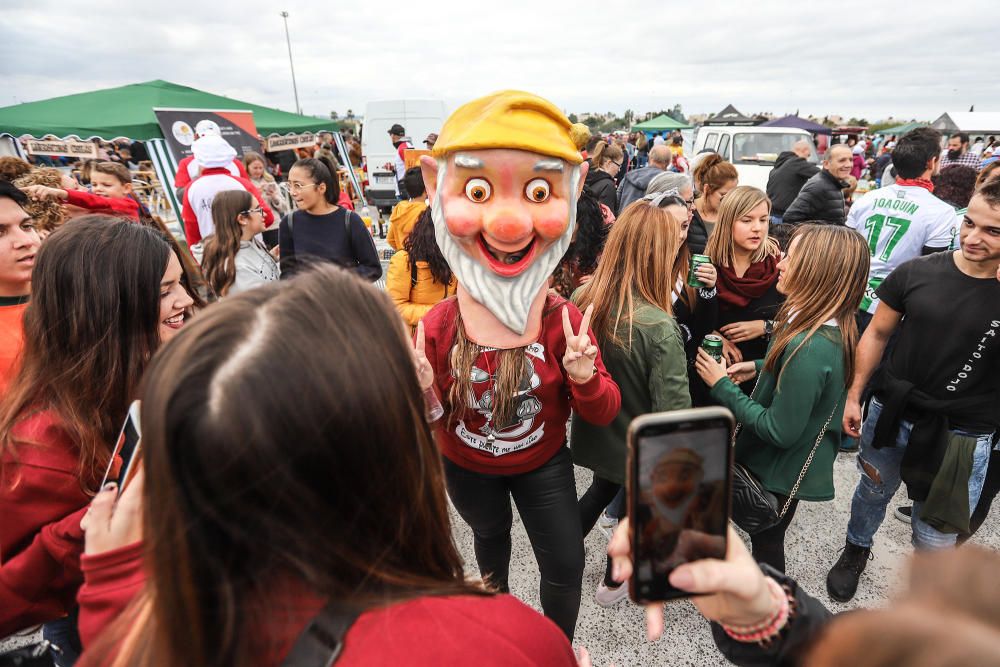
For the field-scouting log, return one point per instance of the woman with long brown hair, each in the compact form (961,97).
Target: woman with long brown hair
(790,433)
(255,520)
(234,260)
(632,295)
(418,275)
(106,293)
(747,261)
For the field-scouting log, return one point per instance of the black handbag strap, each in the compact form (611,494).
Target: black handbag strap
(809,459)
(322,642)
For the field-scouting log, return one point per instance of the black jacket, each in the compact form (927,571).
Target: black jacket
(697,235)
(820,200)
(790,173)
(602,186)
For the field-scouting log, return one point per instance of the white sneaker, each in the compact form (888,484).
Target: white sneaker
(609,597)
(607,524)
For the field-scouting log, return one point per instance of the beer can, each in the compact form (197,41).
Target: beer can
(696,261)
(713,345)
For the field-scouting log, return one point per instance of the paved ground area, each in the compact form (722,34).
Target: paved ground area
(814,538)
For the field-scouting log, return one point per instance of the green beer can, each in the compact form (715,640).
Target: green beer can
(696,261)
(713,345)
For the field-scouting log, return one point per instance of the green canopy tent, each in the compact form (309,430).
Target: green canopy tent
(900,130)
(127,112)
(662,123)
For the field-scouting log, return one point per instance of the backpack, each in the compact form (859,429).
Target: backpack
(290,218)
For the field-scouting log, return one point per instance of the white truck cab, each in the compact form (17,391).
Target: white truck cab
(418,117)
(752,150)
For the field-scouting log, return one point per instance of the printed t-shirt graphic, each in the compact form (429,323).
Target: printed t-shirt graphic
(521,431)
(898,221)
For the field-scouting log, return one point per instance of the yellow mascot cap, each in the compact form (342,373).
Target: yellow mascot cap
(509,119)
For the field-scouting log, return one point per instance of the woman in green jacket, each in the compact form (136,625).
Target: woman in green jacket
(642,347)
(803,379)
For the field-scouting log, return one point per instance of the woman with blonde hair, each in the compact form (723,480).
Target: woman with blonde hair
(747,261)
(605,163)
(790,424)
(632,294)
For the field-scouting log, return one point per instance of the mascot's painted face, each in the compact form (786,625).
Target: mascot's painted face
(503,219)
(505,208)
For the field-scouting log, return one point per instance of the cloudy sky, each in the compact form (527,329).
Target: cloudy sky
(907,59)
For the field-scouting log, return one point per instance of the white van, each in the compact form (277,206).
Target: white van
(418,117)
(752,150)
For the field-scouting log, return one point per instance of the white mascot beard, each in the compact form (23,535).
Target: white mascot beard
(509,299)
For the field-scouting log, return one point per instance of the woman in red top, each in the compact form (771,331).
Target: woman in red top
(105,295)
(504,436)
(254,519)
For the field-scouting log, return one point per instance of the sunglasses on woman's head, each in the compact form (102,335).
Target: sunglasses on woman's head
(664,199)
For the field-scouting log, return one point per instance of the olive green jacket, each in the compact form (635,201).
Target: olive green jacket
(652,376)
(780,425)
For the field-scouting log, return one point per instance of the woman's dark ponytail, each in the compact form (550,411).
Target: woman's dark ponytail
(323,170)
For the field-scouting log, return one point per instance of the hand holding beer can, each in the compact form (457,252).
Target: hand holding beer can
(712,344)
(696,261)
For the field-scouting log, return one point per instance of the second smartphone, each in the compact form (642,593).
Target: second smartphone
(679,489)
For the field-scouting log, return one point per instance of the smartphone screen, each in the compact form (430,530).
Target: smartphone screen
(127,447)
(679,490)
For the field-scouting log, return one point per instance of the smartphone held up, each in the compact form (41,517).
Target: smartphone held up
(679,490)
(127,449)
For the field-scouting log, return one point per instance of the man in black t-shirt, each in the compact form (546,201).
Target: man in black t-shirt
(945,363)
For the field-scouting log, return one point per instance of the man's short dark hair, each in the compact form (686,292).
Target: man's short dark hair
(8,190)
(961,136)
(914,150)
(413,181)
(990,191)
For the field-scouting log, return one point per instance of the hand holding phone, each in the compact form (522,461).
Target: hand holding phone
(731,591)
(114,521)
(679,489)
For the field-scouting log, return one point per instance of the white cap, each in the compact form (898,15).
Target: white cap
(207,128)
(213,151)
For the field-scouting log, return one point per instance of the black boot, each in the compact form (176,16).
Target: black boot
(842,581)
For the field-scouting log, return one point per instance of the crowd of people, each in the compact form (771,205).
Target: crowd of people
(544,292)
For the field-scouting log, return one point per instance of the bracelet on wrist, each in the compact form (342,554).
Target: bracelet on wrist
(769,628)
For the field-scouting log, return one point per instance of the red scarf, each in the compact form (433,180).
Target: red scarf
(737,292)
(918,182)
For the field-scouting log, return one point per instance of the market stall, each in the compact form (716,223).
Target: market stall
(127,112)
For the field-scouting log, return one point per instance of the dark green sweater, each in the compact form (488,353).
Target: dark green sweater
(652,376)
(780,427)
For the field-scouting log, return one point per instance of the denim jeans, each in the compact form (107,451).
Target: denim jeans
(871,497)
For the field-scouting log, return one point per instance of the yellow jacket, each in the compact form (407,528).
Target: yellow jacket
(413,301)
(404,216)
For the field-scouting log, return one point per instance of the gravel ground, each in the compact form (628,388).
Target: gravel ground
(813,542)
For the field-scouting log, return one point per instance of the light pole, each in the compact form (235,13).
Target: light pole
(295,87)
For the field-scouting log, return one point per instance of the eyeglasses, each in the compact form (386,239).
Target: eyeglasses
(259,209)
(617,164)
(299,187)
